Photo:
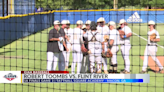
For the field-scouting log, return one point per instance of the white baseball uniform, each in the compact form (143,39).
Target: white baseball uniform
(104,31)
(98,26)
(125,47)
(53,58)
(77,40)
(69,33)
(115,36)
(151,49)
(95,47)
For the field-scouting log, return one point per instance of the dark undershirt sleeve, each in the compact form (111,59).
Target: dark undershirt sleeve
(62,32)
(50,35)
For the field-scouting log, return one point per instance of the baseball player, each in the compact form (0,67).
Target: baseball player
(55,48)
(95,48)
(69,32)
(77,41)
(84,29)
(103,30)
(85,60)
(114,42)
(87,23)
(125,44)
(151,48)
(98,23)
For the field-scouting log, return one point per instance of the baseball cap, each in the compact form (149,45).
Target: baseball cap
(98,20)
(84,26)
(68,22)
(88,22)
(151,22)
(80,22)
(101,19)
(64,22)
(122,21)
(112,23)
(56,22)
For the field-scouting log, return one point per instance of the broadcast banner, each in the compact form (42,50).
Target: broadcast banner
(65,77)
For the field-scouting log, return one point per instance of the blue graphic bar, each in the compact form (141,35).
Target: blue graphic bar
(82,80)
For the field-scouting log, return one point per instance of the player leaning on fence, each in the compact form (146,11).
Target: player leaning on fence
(125,34)
(54,49)
(151,47)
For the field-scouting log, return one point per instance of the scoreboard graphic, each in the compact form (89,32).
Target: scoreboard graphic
(65,77)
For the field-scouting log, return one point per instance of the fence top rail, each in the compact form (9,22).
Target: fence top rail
(108,10)
(22,15)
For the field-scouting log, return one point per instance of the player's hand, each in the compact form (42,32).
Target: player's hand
(152,40)
(122,36)
(103,51)
(109,49)
(67,49)
(66,36)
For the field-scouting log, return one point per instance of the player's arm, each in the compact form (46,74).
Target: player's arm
(67,38)
(62,33)
(82,45)
(65,46)
(54,39)
(81,41)
(51,37)
(103,47)
(129,34)
(112,36)
(157,39)
(111,42)
(126,35)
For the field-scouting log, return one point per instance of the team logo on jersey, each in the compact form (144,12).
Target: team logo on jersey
(134,18)
(10,76)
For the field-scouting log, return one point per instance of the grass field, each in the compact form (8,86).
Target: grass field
(30,54)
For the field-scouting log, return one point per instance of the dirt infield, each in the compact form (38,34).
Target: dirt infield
(152,65)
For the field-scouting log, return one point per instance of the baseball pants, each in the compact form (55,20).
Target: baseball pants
(85,64)
(114,51)
(52,58)
(150,50)
(125,54)
(94,59)
(77,58)
(67,54)
(104,61)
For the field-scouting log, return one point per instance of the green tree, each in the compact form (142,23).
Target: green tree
(96,4)
(75,4)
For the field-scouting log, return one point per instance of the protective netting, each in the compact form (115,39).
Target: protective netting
(23,41)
